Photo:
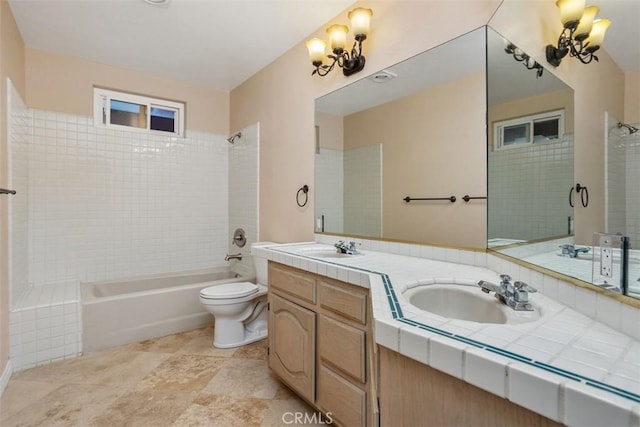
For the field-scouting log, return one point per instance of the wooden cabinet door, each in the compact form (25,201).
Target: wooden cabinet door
(292,345)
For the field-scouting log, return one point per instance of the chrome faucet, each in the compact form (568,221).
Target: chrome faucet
(233,256)
(513,294)
(572,251)
(344,248)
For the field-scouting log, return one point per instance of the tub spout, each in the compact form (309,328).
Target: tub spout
(233,256)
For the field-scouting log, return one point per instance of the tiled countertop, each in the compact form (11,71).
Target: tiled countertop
(565,366)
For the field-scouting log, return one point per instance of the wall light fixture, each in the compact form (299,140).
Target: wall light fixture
(350,63)
(582,34)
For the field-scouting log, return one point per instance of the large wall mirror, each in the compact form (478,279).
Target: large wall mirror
(416,129)
(430,127)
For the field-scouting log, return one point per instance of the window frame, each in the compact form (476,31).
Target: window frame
(102,111)
(499,126)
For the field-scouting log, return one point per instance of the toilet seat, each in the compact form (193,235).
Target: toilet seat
(229,291)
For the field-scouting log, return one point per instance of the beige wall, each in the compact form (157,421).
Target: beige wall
(632,98)
(65,84)
(11,66)
(281,97)
(433,145)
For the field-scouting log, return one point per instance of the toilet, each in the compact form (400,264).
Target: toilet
(240,308)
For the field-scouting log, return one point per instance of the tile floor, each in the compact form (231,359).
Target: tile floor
(177,380)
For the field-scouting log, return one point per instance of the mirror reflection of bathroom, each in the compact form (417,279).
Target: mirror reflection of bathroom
(530,150)
(622,191)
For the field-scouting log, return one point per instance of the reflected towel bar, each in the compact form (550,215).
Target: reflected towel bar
(466,198)
(452,199)
(5,191)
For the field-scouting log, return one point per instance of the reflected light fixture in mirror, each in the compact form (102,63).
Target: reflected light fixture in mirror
(350,63)
(526,60)
(582,34)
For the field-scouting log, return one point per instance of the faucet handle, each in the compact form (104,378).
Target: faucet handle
(524,287)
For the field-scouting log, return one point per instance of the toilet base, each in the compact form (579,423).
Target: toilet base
(249,337)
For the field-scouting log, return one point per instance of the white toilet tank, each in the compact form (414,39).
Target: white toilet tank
(260,264)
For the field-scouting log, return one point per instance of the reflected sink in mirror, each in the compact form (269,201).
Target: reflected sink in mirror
(465,302)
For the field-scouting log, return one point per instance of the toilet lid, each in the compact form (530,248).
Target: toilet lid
(229,290)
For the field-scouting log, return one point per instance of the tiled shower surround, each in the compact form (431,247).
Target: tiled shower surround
(517,213)
(623,177)
(97,204)
(329,179)
(105,204)
(350,181)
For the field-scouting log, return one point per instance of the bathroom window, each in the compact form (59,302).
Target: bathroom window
(119,109)
(544,127)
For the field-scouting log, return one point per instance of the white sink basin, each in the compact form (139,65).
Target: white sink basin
(322,252)
(464,302)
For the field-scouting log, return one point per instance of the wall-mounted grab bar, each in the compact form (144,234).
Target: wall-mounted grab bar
(5,191)
(466,198)
(408,199)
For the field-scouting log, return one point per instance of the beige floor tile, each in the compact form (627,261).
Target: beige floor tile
(68,405)
(284,393)
(116,367)
(256,350)
(20,394)
(291,412)
(243,378)
(224,411)
(146,408)
(181,373)
(177,380)
(167,344)
(203,345)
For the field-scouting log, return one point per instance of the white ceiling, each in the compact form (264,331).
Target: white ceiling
(217,43)
(221,43)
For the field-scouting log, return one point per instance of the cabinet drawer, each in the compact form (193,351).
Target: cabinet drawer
(342,346)
(350,303)
(343,401)
(289,281)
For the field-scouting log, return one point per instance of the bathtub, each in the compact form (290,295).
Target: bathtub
(128,310)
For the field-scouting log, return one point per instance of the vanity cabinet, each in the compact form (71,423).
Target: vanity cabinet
(292,345)
(324,324)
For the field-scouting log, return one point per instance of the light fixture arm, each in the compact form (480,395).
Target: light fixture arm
(350,63)
(575,47)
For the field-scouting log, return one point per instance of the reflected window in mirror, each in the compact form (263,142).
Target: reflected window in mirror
(533,129)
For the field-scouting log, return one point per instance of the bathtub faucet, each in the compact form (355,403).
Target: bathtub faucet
(233,256)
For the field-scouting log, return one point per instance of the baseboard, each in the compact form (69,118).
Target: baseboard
(6,376)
